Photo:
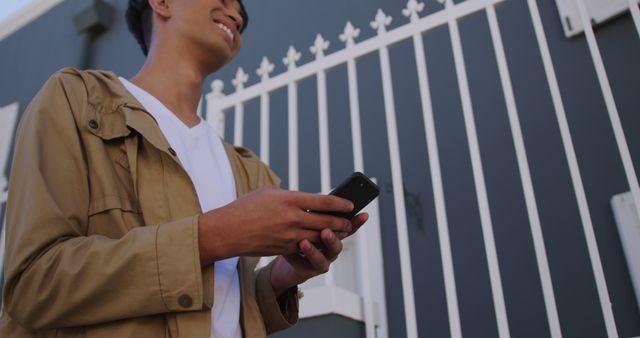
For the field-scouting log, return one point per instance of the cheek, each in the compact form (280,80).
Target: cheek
(239,45)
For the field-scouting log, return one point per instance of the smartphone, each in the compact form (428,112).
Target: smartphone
(358,189)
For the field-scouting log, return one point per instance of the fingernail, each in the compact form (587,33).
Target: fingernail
(331,236)
(306,246)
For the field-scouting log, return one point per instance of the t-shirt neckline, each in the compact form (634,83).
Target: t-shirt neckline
(197,129)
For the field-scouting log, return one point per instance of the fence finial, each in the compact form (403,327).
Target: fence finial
(349,35)
(381,22)
(319,46)
(266,67)
(217,86)
(240,80)
(413,8)
(292,57)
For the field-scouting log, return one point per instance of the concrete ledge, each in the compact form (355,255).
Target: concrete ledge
(327,300)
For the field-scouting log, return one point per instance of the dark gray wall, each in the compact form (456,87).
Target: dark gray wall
(30,55)
(318,327)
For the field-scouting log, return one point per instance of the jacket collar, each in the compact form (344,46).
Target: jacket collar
(118,112)
(138,119)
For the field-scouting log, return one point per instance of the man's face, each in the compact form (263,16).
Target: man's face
(210,27)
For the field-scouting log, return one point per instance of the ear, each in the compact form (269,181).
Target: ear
(161,8)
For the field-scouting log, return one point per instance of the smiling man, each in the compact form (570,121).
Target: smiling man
(129,217)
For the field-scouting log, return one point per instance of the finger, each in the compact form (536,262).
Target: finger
(313,221)
(313,236)
(317,259)
(356,222)
(316,202)
(341,234)
(332,244)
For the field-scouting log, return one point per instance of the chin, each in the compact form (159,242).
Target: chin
(218,57)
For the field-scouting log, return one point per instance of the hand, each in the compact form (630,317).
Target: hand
(268,222)
(293,269)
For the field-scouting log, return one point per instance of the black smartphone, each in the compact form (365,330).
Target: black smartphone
(358,189)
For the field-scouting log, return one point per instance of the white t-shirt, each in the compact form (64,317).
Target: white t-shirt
(203,156)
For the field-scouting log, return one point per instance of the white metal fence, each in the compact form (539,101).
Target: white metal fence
(414,29)
(371,286)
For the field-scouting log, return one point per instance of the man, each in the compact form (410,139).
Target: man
(122,219)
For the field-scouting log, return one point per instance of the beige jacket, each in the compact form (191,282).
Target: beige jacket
(102,236)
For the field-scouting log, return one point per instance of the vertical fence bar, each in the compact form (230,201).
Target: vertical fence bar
(478,175)
(8,118)
(612,109)
(264,128)
(293,136)
(238,82)
(574,169)
(361,242)
(525,176)
(2,246)
(625,155)
(350,33)
(318,49)
(290,60)
(380,24)
(3,188)
(200,110)
(215,117)
(635,14)
(455,328)
(238,124)
(265,69)
(323,124)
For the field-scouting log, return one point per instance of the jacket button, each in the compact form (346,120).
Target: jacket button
(93,124)
(185,301)
(172,152)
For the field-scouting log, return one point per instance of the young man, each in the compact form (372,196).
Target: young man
(128,216)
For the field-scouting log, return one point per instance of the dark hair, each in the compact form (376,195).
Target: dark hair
(139,21)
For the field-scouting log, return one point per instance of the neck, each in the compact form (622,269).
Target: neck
(175,81)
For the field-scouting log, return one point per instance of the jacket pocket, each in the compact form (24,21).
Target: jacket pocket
(113,216)
(112,202)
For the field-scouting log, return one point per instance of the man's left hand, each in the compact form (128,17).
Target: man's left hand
(291,270)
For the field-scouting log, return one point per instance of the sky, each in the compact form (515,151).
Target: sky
(9,7)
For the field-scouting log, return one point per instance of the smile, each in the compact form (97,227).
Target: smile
(226,30)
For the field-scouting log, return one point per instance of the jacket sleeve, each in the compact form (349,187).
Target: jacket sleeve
(57,275)
(277,313)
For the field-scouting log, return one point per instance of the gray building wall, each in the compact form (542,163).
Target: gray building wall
(31,54)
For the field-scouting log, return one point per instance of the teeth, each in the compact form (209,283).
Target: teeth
(226,30)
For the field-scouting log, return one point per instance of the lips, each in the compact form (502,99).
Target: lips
(225,28)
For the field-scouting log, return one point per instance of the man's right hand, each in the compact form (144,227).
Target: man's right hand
(268,222)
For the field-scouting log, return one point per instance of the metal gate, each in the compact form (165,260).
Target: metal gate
(219,104)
